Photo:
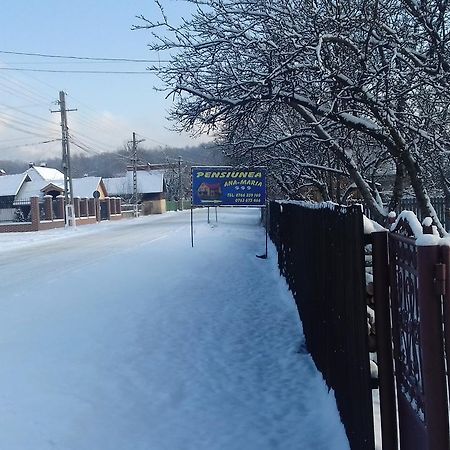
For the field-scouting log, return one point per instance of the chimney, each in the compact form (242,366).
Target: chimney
(31,164)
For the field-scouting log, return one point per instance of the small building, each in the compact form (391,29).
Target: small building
(151,189)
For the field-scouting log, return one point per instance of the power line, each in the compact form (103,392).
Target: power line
(89,58)
(9,125)
(33,144)
(20,89)
(20,111)
(123,72)
(94,142)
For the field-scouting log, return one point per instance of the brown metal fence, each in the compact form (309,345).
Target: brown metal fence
(321,255)
(409,283)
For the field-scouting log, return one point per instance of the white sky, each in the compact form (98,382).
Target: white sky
(110,107)
(121,336)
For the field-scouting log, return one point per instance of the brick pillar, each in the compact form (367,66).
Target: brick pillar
(76,206)
(119,205)
(108,208)
(48,207)
(34,204)
(60,213)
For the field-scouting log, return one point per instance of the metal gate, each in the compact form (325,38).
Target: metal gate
(415,274)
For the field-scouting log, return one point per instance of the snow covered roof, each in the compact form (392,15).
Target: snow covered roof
(85,187)
(31,189)
(10,184)
(147,183)
(45,173)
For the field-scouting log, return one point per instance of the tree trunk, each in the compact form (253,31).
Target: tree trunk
(422,197)
(399,186)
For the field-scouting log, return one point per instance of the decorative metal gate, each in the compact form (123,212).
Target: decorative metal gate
(416,293)
(406,337)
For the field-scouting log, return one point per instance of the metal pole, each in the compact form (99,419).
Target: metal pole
(180,185)
(208,214)
(267,228)
(192,226)
(216,213)
(135,176)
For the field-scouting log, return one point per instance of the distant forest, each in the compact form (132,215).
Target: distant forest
(114,164)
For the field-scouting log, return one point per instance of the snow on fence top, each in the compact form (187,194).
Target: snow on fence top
(422,239)
(315,205)
(411,219)
(370,226)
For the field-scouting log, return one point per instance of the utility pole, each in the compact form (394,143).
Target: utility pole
(68,190)
(134,160)
(180,185)
(68,187)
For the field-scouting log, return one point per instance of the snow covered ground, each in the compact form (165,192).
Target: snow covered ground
(120,336)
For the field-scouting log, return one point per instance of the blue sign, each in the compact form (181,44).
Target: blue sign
(227,186)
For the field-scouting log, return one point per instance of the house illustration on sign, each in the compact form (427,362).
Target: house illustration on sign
(209,191)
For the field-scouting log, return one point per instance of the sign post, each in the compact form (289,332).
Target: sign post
(228,186)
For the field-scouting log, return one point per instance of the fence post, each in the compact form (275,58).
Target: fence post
(34,208)
(431,342)
(384,341)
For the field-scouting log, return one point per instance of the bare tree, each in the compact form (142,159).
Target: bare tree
(355,76)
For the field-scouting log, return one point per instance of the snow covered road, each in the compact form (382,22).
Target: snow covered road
(120,336)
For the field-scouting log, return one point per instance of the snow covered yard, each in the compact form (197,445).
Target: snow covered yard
(121,336)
